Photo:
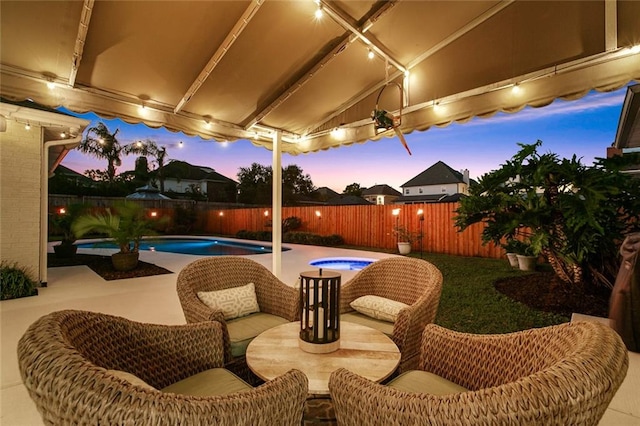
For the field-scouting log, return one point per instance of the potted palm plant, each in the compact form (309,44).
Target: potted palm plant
(62,221)
(405,238)
(127,225)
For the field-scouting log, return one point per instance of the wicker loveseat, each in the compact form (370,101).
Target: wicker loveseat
(559,375)
(414,282)
(278,302)
(77,367)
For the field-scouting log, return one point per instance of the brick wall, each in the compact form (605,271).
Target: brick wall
(20,159)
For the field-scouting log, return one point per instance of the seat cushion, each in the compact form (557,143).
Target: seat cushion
(216,381)
(417,381)
(358,318)
(243,330)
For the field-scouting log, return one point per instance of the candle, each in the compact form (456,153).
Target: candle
(321,323)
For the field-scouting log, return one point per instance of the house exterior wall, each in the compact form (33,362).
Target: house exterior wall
(447,188)
(20,187)
(181,185)
(381,199)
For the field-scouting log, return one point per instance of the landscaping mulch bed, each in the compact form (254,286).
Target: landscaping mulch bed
(102,266)
(545,292)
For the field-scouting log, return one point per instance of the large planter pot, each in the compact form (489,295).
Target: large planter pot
(513,260)
(65,251)
(124,261)
(404,248)
(527,263)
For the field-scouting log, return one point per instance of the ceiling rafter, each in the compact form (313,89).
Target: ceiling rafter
(83,28)
(233,35)
(344,42)
(444,43)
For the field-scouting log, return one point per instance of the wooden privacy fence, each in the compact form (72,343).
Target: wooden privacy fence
(366,226)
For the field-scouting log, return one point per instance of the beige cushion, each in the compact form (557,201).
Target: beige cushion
(384,326)
(417,381)
(233,302)
(378,307)
(216,381)
(243,330)
(133,379)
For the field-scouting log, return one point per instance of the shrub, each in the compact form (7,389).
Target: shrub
(291,224)
(16,281)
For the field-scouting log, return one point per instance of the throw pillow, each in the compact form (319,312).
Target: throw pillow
(233,302)
(378,307)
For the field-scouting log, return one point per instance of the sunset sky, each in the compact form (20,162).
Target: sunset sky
(585,127)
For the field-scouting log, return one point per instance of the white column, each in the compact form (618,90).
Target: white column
(277,204)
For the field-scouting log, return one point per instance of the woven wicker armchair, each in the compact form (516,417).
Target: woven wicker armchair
(67,360)
(223,272)
(559,375)
(415,282)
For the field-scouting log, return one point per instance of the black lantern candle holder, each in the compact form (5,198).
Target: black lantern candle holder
(320,315)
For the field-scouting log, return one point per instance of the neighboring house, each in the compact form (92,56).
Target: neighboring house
(33,141)
(324,194)
(347,200)
(381,194)
(181,178)
(628,133)
(65,174)
(438,183)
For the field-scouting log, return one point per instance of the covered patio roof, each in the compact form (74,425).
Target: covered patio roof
(249,69)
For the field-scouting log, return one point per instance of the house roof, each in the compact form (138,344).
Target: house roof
(438,174)
(182,170)
(194,65)
(347,200)
(381,190)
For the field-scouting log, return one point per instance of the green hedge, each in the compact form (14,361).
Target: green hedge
(294,238)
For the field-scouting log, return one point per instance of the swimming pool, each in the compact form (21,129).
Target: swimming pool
(342,263)
(196,246)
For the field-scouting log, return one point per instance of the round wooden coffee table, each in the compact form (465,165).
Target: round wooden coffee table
(363,350)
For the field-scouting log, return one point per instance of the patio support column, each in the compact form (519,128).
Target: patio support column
(276,205)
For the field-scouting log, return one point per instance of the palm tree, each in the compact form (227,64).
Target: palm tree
(159,153)
(104,145)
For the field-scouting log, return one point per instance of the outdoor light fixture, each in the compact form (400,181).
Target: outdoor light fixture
(320,311)
(371,55)
(51,85)
(221,214)
(27,126)
(396,213)
(318,214)
(153,213)
(421,216)
(516,89)
(319,13)
(62,210)
(63,135)
(266,213)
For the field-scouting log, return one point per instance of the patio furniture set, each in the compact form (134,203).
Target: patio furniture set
(223,368)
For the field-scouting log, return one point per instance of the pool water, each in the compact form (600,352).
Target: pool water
(342,263)
(196,246)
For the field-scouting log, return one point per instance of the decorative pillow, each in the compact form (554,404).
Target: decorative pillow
(378,307)
(233,302)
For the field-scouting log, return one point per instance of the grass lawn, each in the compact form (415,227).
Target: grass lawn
(470,303)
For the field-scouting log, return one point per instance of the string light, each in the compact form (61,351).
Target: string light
(63,135)
(180,144)
(51,85)
(516,89)
(27,126)
(318,10)
(371,55)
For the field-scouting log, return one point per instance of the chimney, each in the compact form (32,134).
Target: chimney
(465,176)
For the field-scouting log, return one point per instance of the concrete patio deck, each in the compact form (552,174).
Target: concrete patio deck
(154,300)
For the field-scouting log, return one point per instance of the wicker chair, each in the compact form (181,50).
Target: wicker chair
(415,282)
(560,375)
(69,362)
(223,272)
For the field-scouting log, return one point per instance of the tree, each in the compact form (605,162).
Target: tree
(103,144)
(353,189)
(575,216)
(159,153)
(255,184)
